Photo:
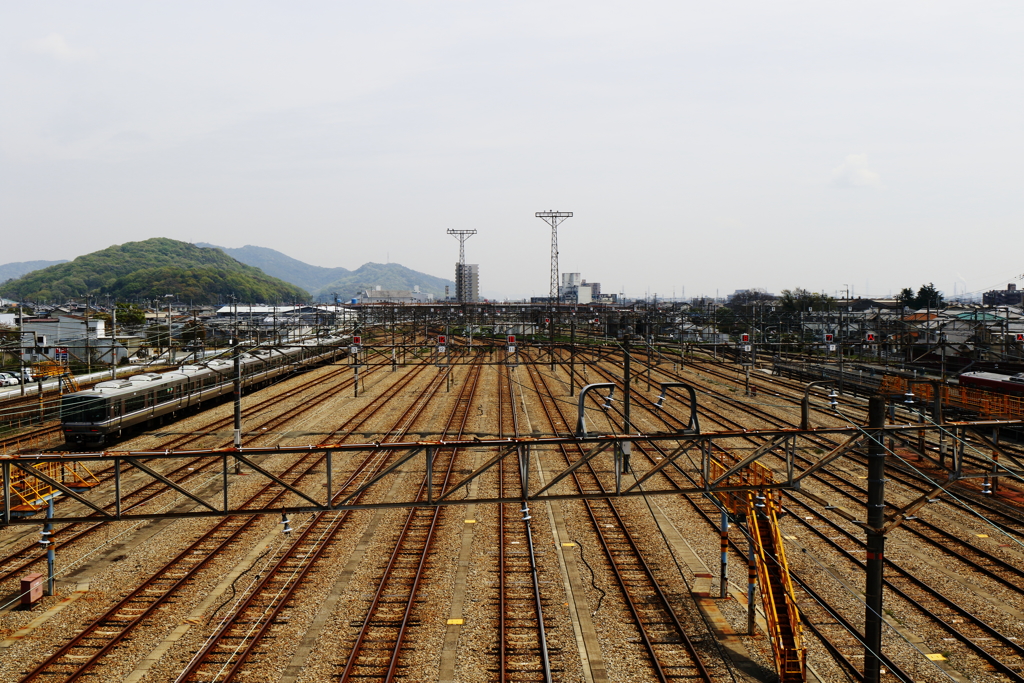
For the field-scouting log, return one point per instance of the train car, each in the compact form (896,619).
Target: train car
(103,413)
(992,381)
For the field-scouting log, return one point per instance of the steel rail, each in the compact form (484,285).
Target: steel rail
(507,414)
(711,512)
(555,416)
(858,496)
(235,525)
(459,416)
(907,478)
(180,475)
(1012,671)
(321,532)
(984,627)
(202,550)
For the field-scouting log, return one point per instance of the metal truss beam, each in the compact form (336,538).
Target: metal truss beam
(598,451)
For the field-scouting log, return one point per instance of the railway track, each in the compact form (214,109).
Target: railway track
(191,470)
(241,633)
(89,647)
(1003,656)
(523,651)
(379,644)
(242,641)
(673,654)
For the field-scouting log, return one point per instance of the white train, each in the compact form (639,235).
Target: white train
(100,415)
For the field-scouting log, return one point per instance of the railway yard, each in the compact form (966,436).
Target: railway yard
(586,586)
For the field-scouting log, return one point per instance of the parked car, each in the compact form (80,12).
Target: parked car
(8,380)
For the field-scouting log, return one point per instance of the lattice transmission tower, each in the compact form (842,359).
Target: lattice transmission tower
(460,269)
(553,218)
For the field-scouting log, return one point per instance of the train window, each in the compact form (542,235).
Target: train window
(115,408)
(83,409)
(134,403)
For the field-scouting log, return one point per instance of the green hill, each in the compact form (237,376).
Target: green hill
(150,269)
(324,283)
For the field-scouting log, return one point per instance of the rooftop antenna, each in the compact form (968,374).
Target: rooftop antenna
(553,218)
(461,236)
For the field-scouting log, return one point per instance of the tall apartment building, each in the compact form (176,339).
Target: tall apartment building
(467,282)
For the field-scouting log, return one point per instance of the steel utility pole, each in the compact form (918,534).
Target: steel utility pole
(553,218)
(875,542)
(460,268)
(626,446)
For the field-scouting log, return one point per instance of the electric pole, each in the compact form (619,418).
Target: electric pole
(553,218)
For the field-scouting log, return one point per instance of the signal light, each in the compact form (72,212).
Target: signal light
(357,340)
(511,339)
(1020,337)
(829,338)
(870,336)
(441,339)
(744,338)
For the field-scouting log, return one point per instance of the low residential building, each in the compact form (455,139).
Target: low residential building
(1011,296)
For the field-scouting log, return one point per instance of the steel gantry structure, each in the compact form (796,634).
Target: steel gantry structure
(694,454)
(553,218)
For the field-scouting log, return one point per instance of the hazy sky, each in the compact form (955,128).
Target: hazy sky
(711,146)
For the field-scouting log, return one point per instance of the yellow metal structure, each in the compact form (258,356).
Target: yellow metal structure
(52,368)
(777,594)
(31,494)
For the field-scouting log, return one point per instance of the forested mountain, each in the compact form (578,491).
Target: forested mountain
(324,283)
(152,269)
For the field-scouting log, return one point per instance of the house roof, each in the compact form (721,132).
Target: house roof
(920,317)
(979,315)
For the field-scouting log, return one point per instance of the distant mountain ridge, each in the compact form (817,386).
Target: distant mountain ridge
(284,267)
(10,271)
(152,269)
(323,283)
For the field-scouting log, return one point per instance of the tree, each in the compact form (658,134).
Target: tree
(130,315)
(929,297)
(799,299)
(907,297)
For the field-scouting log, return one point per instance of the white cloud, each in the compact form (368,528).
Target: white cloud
(854,172)
(54,45)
